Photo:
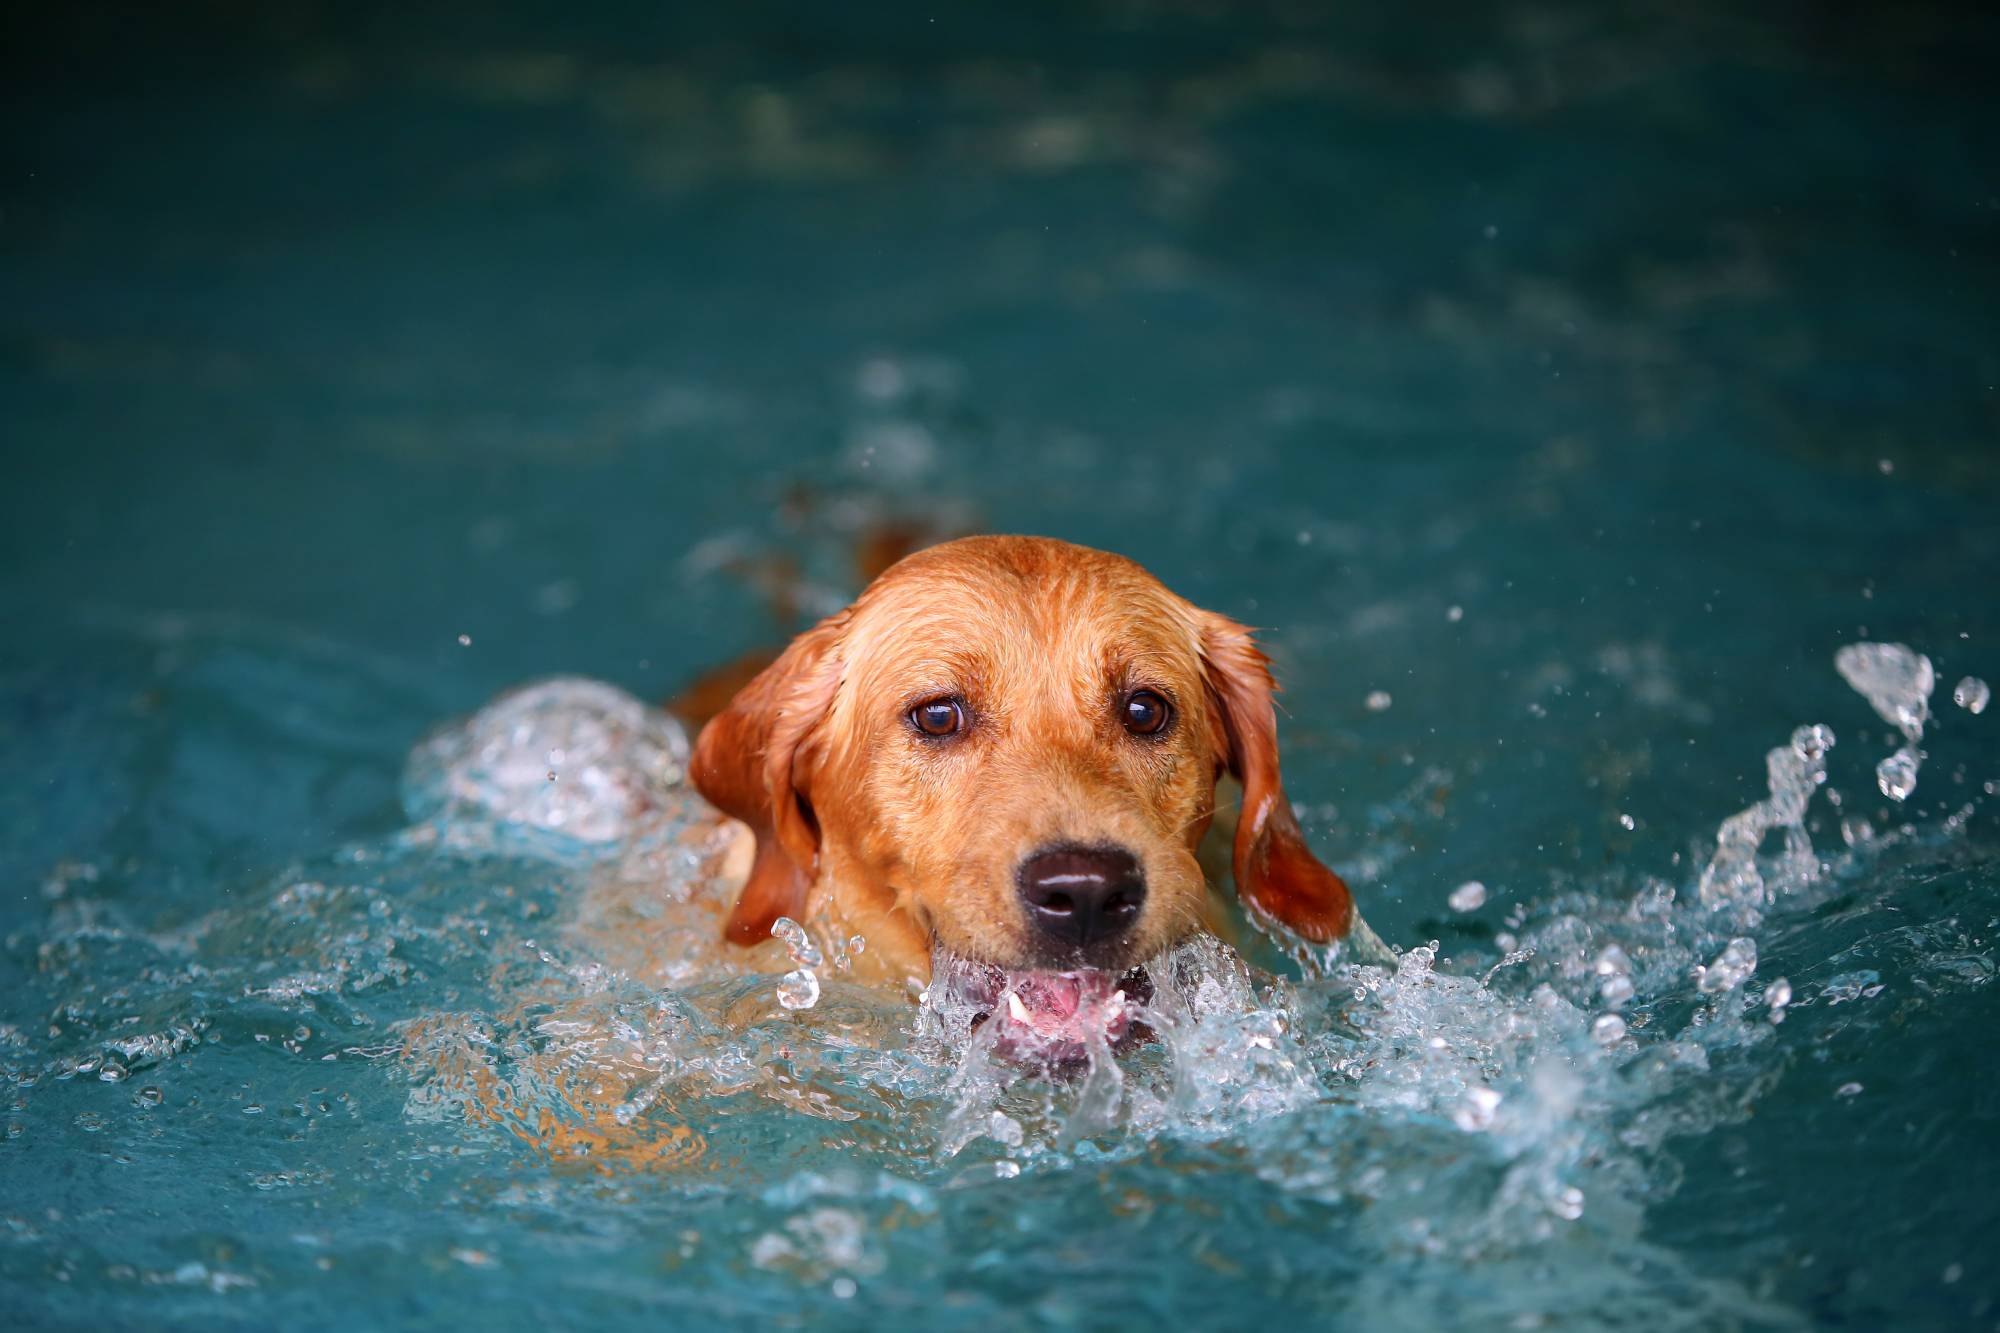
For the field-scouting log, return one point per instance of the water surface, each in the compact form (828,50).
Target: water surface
(1561,388)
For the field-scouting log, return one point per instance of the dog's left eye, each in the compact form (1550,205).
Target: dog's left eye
(939,717)
(1146,713)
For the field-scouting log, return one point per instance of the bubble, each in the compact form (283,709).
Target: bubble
(1379,701)
(1971,694)
(148,1096)
(1897,774)
(1467,897)
(799,989)
(1731,968)
(1611,960)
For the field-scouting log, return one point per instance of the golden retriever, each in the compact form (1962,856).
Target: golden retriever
(1008,749)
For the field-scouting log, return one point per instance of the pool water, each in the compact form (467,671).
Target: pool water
(1596,408)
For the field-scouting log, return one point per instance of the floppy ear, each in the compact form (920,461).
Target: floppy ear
(1276,872)
(750,762)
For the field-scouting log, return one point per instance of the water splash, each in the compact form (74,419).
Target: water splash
(569,758)
(1897,682)
(1734,876)
(504,976)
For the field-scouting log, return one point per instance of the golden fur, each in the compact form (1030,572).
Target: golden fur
(865,827)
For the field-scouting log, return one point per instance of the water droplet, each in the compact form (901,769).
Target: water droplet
(1953,1272)
(1611,960)
(1627,823)
(1467,897)
(797,941)
(1848,1090)
(1616,991)
(1567,1203)
(1731,968)
(1778,994)
(1476,1112)
(1971,694)
(1608,1030)
(1379,701)
(465,640)
(1897,774)
(1455,614)
(1811,742)
(1896,681)
(844,1288)
(799,989)
(1855,831)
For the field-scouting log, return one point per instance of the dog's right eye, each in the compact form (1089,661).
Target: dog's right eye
(939,717)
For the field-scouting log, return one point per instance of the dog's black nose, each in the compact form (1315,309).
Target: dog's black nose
(1080,895)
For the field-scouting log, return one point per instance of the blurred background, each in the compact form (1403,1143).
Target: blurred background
(1557,385)
(1612,361)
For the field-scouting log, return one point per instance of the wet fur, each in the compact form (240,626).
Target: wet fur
(864,827)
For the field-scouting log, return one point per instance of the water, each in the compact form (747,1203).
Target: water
(1588,404)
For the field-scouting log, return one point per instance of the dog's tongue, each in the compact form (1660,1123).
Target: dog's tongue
(1062,1006)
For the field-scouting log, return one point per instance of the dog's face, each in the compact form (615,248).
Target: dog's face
(1013,745)
(1023,748)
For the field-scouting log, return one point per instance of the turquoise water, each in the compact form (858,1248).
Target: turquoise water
(1562,389)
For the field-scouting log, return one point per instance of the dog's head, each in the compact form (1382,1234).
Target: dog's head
(1014,743)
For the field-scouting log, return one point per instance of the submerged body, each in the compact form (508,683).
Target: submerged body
(1006,752)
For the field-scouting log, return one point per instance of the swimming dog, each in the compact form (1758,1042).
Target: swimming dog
(1006,752)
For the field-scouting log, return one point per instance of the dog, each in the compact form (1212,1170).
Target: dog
(1006,752)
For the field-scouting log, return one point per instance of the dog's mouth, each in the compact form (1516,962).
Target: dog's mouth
(1056,1016)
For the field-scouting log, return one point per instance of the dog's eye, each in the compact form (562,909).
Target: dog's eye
(939,717)
(1146,713)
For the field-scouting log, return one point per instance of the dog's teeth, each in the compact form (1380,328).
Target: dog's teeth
(1015,1009)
